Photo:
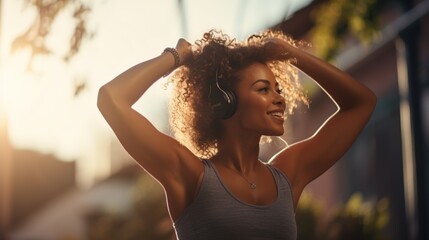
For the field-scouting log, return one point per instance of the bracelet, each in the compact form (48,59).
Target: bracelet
(175,55)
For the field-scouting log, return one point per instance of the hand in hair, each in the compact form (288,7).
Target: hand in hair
(276,47)
(184,48)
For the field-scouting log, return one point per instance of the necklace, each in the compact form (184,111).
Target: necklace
(252,185)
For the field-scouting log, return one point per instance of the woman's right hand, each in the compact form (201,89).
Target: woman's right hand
(184,48)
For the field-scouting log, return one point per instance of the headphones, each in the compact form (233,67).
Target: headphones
(223,101)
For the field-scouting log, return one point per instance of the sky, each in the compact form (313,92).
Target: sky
(39,107)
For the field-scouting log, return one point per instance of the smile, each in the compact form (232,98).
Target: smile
(277,114)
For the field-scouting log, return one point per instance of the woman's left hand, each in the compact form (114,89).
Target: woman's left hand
(276,46)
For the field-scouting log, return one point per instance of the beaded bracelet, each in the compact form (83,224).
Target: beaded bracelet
(175,55)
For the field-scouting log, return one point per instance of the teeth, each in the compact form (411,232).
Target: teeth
(276,114)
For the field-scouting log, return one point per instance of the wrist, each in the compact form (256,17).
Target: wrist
(175,55)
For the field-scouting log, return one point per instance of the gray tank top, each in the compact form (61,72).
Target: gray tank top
(217,214)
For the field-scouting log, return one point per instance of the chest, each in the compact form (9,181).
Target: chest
(253,189)
(223,211)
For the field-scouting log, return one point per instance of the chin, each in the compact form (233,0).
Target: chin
(275,133)
(279,134)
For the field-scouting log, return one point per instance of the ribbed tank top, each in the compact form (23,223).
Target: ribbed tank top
(217,214)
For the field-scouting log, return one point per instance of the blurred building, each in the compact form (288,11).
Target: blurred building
(29,181)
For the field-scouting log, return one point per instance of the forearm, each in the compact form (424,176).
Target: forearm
(130,85)
(341,87)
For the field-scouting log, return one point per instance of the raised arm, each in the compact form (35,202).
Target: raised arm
(174,166)
(308,159)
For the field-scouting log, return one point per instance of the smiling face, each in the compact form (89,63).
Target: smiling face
(260,105)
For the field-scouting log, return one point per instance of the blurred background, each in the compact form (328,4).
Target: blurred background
(63,174)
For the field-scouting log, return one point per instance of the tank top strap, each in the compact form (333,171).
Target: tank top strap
(282,181)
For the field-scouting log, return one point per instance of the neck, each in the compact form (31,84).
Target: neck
(238,150)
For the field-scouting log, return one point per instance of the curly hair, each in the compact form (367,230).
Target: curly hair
(192,118)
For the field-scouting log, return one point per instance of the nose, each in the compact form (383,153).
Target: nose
(279,100)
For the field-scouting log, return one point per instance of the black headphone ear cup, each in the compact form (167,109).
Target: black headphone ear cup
(231,105)
(224,104)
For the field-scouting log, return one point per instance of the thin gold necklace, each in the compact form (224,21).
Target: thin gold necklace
(252,185)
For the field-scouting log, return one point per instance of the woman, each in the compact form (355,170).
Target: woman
(229,95)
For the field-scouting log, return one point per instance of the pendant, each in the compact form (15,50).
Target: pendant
(252,186)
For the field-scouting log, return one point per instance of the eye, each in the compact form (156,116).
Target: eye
(279,91)
(263,90)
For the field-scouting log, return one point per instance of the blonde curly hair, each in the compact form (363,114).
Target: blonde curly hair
(192,118)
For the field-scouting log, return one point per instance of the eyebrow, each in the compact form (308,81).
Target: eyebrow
(265,81)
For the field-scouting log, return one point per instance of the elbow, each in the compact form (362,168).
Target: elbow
(368,103)
(371,100)
(100,97)
(367,99)
(103,99)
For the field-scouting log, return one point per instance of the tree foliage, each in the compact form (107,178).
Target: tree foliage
(36,35)
(47,12)
(337,19)
(357,219)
